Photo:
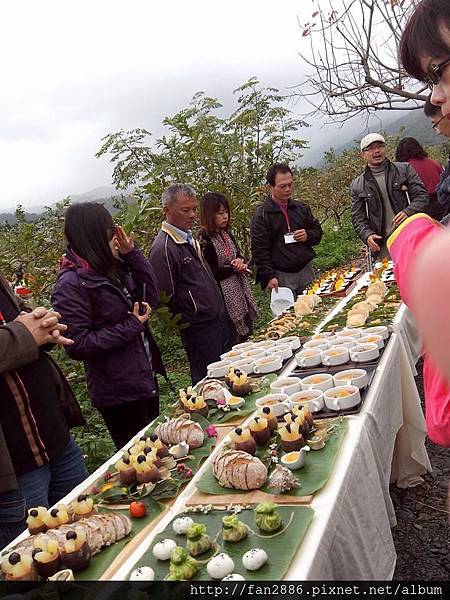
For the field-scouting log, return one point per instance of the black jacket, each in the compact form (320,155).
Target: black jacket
(270,253)
(364,190)
(186,278)
(209,254)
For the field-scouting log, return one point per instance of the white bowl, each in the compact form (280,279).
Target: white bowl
(321,344)
(293,340)
(354,333)
(335,356)
(364,352)
(264,345)
(379,330)
(325,335)
(218,369)
(346,341)
(246,365)
(286,385)
(310,357)
(284,350)
(372,338)
(268,364)
(253,354)
(356,377)
(333,402)
(232,356)
(312,399)
(279,403)
(299,455)
(312,382)
(244,346)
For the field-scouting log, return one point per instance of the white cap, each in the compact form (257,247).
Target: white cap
(370,138)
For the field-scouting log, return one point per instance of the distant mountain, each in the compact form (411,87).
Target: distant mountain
(104,194)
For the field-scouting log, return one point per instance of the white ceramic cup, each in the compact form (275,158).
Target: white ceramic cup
(364,352)
(346,341)
(268,364)
(356,377)
(253,354)
(286,385)
(218,369)
(310,357)
(283,350)
(264,345)
(354,333)
(334,402)
(319,381)
(232,356)
(378,330)
(279,403)
(372,338)
(246,365)
(338,355)
(321,344)
(293,340)
(324,335)
(243,347)
(312,399)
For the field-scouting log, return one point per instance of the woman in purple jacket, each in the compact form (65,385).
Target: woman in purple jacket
(102,278)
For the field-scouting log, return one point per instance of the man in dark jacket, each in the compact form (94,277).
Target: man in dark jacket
(283,233)
(384,195)
(39,461)
(188,281)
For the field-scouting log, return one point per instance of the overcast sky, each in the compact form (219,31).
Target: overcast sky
(73,71)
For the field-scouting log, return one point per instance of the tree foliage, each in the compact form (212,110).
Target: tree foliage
(353,58)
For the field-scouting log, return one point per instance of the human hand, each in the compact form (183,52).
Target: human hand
(238,265)
(372,242)
(399,218)
(124,244)
(300,235)
(142,318)
(45,329)
(273,284)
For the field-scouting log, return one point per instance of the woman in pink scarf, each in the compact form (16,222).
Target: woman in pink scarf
(416,247)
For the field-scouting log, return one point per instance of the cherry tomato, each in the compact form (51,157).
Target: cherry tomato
(138,510)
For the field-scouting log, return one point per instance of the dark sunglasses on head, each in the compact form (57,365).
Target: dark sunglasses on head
(435,72)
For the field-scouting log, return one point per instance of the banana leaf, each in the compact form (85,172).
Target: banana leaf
(280,547)
(100,562)
(313,476)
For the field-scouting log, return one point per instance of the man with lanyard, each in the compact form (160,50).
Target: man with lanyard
(283,234)
(188,281)
(384,195)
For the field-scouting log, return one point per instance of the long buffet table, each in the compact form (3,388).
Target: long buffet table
(350,534)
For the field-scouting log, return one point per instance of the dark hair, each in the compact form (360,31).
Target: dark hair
(408,148)
(89,228)
(431,110)
(277,168)
(421,35)
(210,205)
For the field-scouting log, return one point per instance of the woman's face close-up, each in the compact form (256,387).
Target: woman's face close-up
(221,218)
(441,90)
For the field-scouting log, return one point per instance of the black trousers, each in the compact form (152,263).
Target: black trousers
(125,420)
(204,343)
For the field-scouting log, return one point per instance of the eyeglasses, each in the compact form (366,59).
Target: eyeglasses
(435,72)
(435,125)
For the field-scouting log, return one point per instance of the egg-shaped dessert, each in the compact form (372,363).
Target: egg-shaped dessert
(181,525)
(141,576)
(243,440)
(35,520)
(254,559)
(259,429)
(162,549)
(46,556)
(220,566)
(76,554)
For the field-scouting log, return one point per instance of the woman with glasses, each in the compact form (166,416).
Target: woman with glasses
(104,292)
(409,150)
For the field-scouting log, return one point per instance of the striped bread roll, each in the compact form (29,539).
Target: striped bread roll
(239,470)
(181,430)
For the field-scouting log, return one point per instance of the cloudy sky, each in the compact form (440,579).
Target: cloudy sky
(74,71)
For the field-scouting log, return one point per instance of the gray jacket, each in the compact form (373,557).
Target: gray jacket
(366,197)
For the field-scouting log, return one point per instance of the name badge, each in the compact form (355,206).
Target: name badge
(289,238)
